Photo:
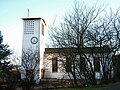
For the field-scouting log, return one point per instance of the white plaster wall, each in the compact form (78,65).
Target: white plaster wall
(61,71)
(26,43)
(39,46)
(48,67)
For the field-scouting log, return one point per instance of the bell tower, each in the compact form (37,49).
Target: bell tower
(33,37)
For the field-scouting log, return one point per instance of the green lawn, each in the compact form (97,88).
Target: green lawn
(110,86)
(99,87)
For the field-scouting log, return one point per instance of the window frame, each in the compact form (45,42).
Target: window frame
(54,64)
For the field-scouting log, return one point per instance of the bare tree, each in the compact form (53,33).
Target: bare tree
(106,35)
(27,68)
(89,30)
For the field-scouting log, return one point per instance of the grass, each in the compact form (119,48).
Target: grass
(110,86)
(98,87)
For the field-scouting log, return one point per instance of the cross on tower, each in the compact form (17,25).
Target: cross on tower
(28,12)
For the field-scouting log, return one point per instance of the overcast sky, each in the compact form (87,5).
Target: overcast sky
(11,12)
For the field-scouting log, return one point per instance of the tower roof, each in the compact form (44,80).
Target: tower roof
(34,18)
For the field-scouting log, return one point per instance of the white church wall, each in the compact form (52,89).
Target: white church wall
(32,29)
(48,67)
(61,70)
(29,32)
(41,45)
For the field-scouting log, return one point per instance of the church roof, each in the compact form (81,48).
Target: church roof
(76,50)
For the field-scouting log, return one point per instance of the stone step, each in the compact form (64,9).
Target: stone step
(49,79)
(51,83)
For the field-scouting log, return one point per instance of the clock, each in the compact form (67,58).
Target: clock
(34,40)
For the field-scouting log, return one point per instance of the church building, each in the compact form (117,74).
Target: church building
(34,40)
(50,65)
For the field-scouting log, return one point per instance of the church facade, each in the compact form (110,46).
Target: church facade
(50,65)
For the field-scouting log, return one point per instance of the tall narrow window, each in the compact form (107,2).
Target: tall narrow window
(54,65)
(82,64)
(42,30)
(68,64)
(97,64)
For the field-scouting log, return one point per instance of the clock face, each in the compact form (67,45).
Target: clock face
(34,40)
